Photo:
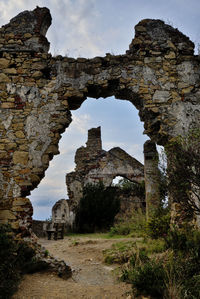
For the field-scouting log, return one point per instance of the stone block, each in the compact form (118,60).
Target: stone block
(4,63)
(37,75)
(11,71)
(20,157)
(20,201)
(7,105)
(171,55)
(53,149)
(15,225)
(27,35)
(4,78)
(161,96)
(19,134)
(6,215)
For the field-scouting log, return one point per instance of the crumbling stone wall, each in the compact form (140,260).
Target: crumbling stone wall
(37,227)
(93,165)
(159,74)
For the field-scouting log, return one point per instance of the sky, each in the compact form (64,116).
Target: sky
(89,28)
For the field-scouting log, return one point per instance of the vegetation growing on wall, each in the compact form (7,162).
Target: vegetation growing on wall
(184,172)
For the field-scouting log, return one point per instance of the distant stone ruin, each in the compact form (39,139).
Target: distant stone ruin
(94,165)
(61,213)
(159,75)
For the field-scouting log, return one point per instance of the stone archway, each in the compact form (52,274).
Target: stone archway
(159,74)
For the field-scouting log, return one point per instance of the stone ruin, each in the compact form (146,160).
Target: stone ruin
(159,74)
(93,165)
(61,213)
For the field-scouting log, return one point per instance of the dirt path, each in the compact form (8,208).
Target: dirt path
(91,278)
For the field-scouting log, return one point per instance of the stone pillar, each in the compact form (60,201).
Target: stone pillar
(94,143)
(152,177)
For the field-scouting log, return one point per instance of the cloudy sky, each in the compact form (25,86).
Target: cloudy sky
(89,28)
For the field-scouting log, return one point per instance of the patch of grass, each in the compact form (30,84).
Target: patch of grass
(151,246)
(123,252)
(119,253)
(134,227)
(94,236)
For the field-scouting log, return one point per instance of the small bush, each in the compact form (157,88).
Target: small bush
(120,229)
(147,279)
(9,276)
(135,227)
(184,240)
(15,259)
(176,275)
(119,253)
(151,245)
(159,224)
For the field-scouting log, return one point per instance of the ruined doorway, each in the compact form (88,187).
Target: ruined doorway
(121,127)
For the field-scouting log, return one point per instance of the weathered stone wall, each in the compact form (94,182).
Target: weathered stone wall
(130,204)
(93,165)
(159,74)
(37,227)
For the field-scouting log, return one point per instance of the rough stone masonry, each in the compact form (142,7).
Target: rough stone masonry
(94,165)
(159,75)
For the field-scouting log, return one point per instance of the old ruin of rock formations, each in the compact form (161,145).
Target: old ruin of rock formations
(94,165)
(159,75)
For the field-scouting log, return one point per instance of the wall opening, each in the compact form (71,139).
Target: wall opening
(120,127)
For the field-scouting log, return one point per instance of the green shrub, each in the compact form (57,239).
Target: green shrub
(120,229)
(15,256)
(97,208)
(151,245)
(137,188)
(159,224)
(136,226)
(9,276)
(185,240)
(147,279)
(176,275)
(119,253)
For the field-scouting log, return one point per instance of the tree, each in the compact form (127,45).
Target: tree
(137,188)
(97,208)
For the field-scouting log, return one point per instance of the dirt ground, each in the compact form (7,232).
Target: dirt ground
(91,277)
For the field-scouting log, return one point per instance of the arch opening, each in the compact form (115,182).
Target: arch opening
(121,127)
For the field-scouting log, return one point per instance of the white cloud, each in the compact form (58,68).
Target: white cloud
(71,29)
(136,151)
(80,123)
(71,32)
